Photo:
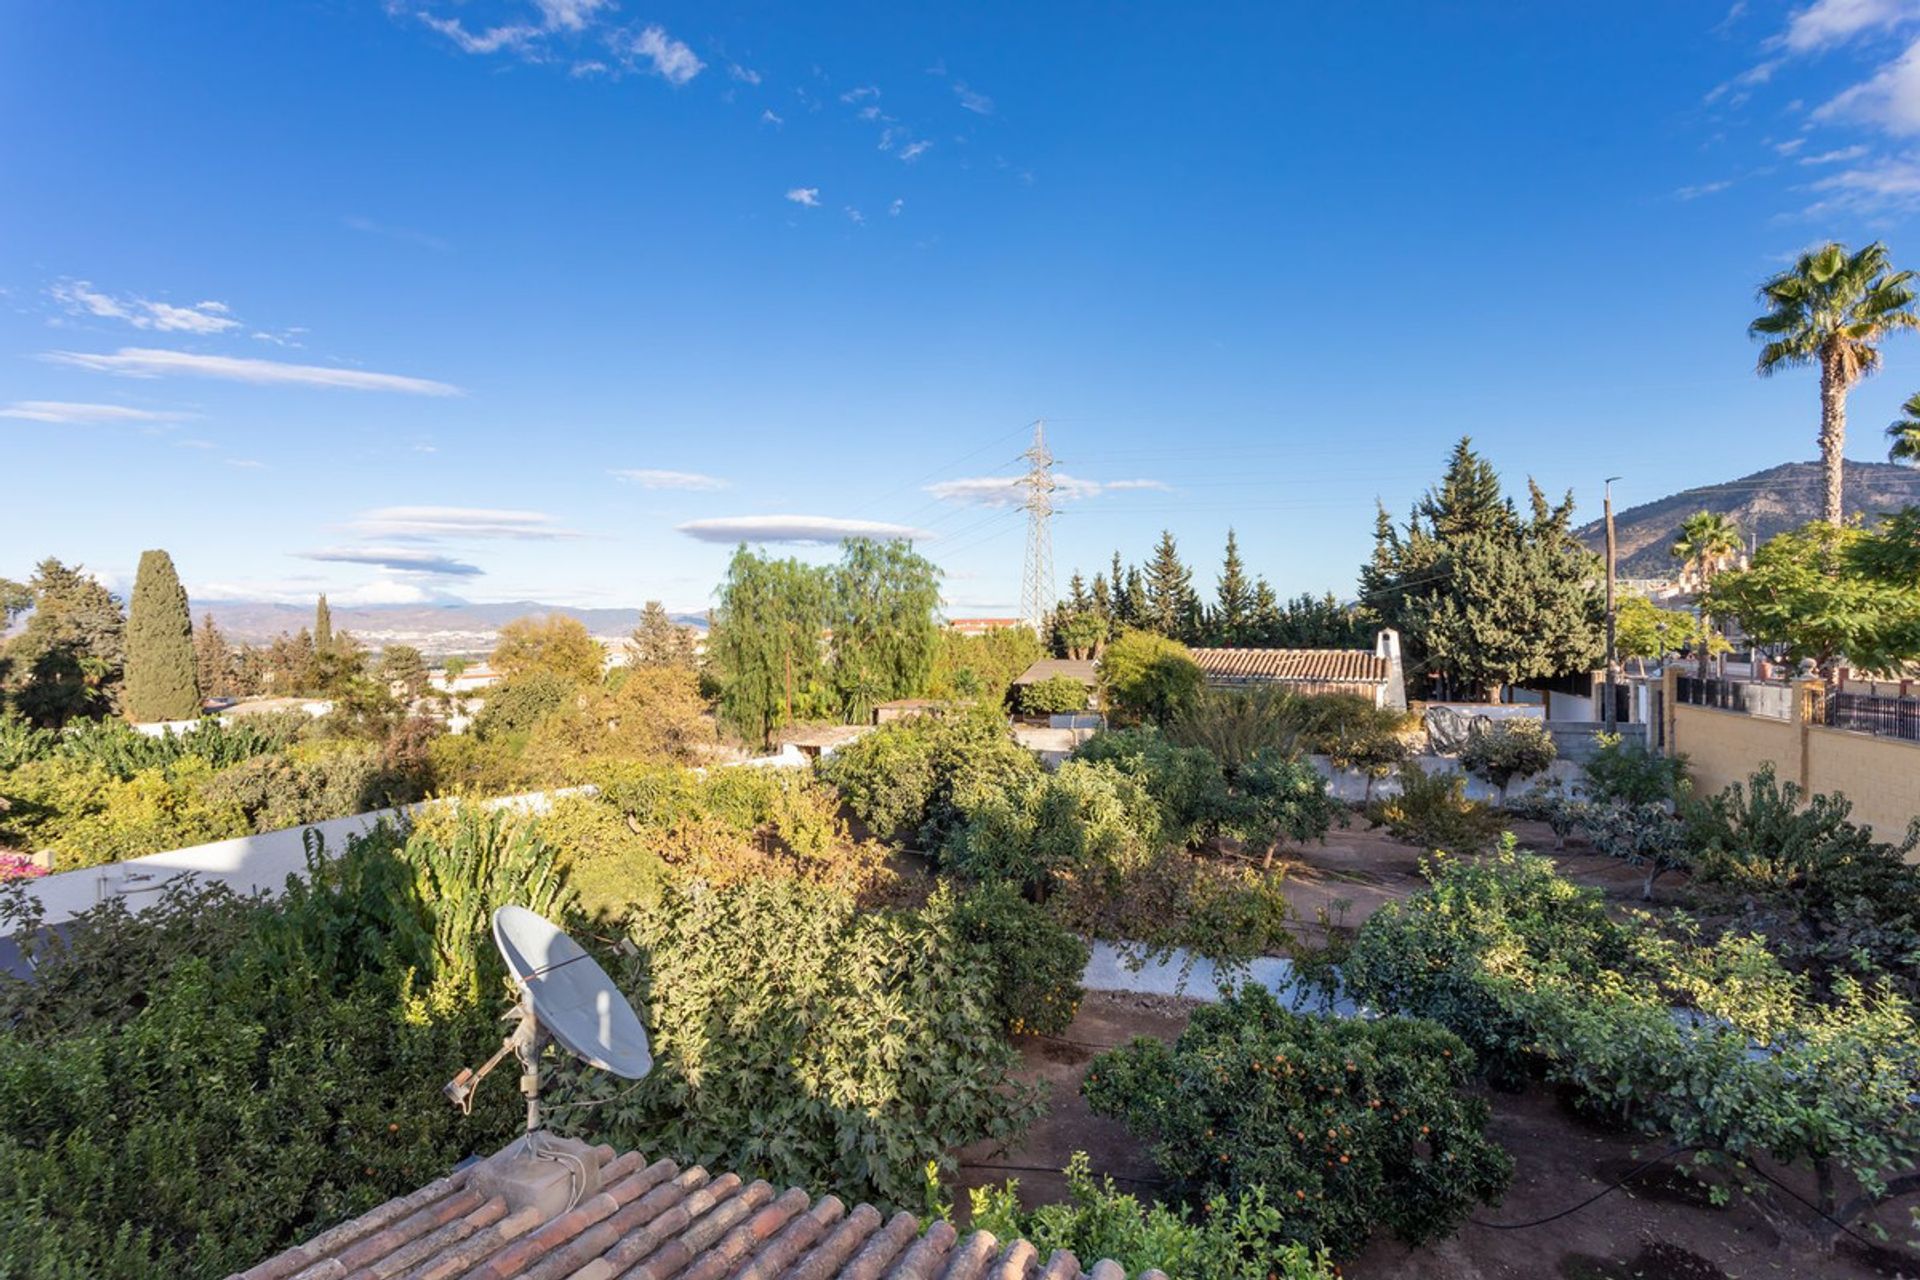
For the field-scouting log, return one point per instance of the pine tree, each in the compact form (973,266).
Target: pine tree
(1170,598)
(1135,610)
(1233,599)
(1467,500)
(659,641)
(162,683)
(213,660)
(403,670)
(1077,599)
(1265,627)
(69,660)
(1101,596)
(322,626)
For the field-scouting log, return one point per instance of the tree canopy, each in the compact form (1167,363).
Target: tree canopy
(1825,593)
(69,660)
(555,643)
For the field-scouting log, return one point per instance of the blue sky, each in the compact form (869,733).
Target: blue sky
(496,298)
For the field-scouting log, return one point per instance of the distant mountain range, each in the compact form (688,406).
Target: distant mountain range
(1762,504)
(438,629)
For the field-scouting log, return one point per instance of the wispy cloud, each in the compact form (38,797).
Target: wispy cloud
(672,60)
(152,362)
(460,522)
(569,15)
(856,217)
(516,36)
(896,208)
(808,196)
(978,103)
(76,413)
(1702,189)
(1009,491)
(800,529)
(79,297)
(914,150)
(768,117)
(657,478)
(745,75)
(245,464)
(1890,100)
(1830,22)
(1889,184)
(367,226)
(402,559)
(1841,155)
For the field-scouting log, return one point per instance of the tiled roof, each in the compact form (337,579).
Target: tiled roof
(1080,669)
(1293,666)
(652,1222)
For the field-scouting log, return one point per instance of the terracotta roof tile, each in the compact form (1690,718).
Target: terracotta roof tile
(657,1222)
(1292,666)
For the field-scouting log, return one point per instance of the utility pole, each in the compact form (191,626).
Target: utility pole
(1036,591)
(1612,716)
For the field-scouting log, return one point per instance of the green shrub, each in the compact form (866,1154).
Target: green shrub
(87,817)
(1185,782)
(312,784)
(20,742)
(917,780)
(801,1039)
(1229,1240)
(186,1091)
(609,864)
(1086,821)
(1345,1125)
(1627,772)
(1037,963)
(515,706)
(1832,899)
(1147,677)
(1643,835)
(1432,810)
(1056,695)
(1509,749)
(1757,1061)
(114,746)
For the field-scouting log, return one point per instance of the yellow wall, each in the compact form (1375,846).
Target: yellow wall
(1880,775)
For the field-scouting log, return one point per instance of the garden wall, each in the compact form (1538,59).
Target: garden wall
(1880,775)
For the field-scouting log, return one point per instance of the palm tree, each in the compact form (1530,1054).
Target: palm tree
(1905,433)
(1832,309)
(1707,541)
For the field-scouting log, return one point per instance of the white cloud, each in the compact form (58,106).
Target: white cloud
(1702,189)
(401,559)
(516,36)
(569,15)
(367,226)
(245,464)
(590,67)
(808,196)
(978,103)
(1839,156)
(856,217)
(460,522)
(1829,22)
(893,210)
(377,592)
(1010,491)
(1790,146)
(1891,99)
(805,529)
(655,478)
(914,150)
(767,117)
(864,91)
(745,75)
(151,362)
(67,411)
(672,61)
(1890,183)
(81,298)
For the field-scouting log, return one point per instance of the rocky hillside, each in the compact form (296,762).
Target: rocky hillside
(1762,504)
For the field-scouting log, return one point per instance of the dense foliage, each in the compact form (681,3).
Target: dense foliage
(1344,1125)
(187,1090)
(162,680)
(1517,747)
(914,781)
(803,1040)
(1707,1037)
(1432,810)
(1056,695)
(1824,591)
(1146,677)
(1228,1239)
(1037,963)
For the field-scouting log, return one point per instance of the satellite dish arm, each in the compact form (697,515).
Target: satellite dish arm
(525,1042)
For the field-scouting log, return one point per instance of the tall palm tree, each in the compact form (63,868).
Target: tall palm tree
(1707,541)
(1905,433)
(1833,309)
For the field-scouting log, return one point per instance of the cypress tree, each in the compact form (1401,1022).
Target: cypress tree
(162,682)
(322,626)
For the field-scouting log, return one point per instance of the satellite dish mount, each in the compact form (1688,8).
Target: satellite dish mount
(565,1000)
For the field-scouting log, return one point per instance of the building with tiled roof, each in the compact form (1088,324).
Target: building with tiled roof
(1373,674)
(654,1222)
(1081,669)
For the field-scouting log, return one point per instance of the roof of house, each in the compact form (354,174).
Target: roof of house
(652,1221)
(1080,669)
(1293,666)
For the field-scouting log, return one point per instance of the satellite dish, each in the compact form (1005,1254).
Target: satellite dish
(572,997)
(565,998)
